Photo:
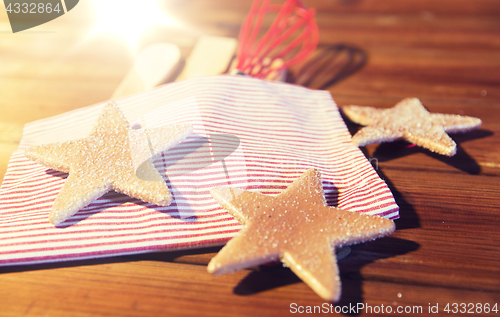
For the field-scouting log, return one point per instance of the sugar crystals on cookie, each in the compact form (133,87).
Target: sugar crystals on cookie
(297,228)
(409,120)
(104,161)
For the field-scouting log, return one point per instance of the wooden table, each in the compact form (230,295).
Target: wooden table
(447,245)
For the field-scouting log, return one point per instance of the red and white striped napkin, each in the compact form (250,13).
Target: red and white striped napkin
(249,133)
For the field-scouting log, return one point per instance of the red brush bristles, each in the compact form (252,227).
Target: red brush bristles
(292,36)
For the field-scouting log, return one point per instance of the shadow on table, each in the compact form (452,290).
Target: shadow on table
(363,254)
(408,218)
(270,277)
(329,65)
(462,160)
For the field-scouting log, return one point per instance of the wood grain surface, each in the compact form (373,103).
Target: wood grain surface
(447,245)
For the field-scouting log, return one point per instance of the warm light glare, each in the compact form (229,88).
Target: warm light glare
(129,19)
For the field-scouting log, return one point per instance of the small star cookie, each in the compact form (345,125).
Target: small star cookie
(297,228)
(112,157)
(409,120)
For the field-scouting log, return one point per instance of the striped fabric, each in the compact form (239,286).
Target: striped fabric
(248,133)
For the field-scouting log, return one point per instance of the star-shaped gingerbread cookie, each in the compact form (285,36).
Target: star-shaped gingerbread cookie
(409,120)
(112,157)
(296,227)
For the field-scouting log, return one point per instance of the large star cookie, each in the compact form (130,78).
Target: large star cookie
(409,120)
(112,157)
(296,227)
